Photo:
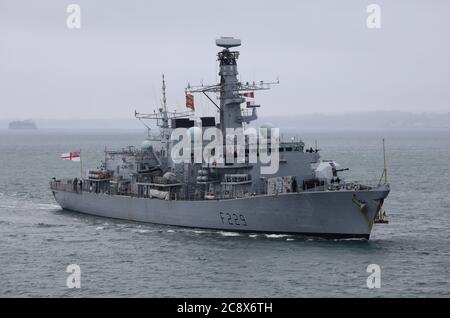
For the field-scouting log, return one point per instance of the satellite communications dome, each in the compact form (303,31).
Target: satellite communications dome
(146,144)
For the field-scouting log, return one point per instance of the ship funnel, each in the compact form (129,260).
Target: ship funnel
(228,42)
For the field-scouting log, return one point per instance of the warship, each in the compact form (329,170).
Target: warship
(303,195)
(22,125)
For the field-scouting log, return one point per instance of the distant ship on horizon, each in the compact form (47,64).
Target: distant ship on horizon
(22,125)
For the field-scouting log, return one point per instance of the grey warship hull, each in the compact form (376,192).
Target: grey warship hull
(220,173)
(328,214)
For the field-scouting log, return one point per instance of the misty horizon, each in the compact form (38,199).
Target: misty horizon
(350,120)
(326,58)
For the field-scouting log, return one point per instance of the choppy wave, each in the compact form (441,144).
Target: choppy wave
(143,231)
(47,206)
(276,235)
(229,233)
(24,201)
(199,232)
(356,239)
(47,225)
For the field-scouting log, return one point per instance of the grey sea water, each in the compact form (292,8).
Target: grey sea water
(38,240)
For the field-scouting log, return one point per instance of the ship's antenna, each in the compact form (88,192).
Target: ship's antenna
(81,166)
(384,174)
(164,93)
(162,115)
(385,166)
(165,117)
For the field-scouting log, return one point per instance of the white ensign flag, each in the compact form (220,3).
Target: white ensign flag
(72,156)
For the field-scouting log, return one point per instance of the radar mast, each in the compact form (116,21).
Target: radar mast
(230,90)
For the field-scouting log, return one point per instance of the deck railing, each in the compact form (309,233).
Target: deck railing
(68,185)
(64,185)
(345,185)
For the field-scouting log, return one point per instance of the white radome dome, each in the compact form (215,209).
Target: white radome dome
(146,144)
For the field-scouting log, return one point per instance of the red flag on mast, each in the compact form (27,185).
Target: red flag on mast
(190,102)
(249,94)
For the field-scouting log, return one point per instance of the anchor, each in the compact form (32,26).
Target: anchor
(362,206)
(380,217)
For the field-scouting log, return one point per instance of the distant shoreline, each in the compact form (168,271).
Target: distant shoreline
(288,131)
(377,120)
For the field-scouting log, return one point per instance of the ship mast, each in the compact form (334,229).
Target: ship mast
(164,104)
(384,174)
(229,89)
(385,166)
(230,100)
(163,119)
(163,116)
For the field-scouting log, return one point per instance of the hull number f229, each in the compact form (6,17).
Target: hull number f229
(235,219)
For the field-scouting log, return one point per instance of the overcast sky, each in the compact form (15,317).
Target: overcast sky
(327,60)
